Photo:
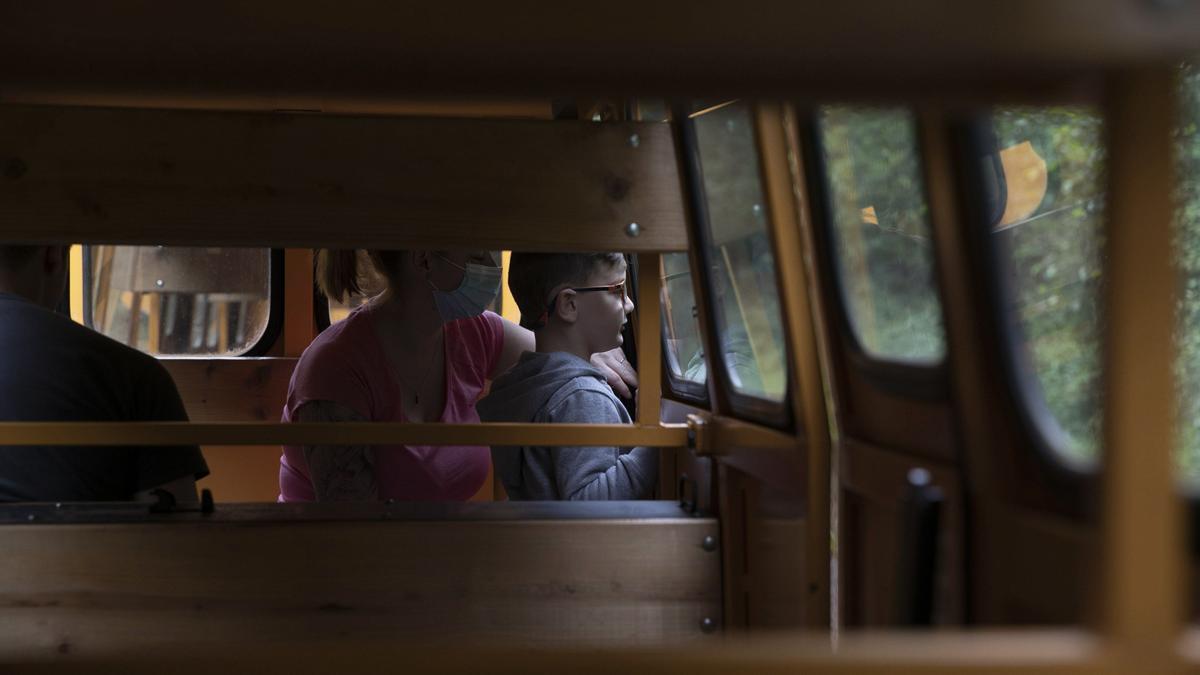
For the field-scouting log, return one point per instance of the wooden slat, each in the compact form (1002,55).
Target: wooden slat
(79,513)
(88,591)
(363,433)
(132,176)
(649,334)
(994,652)
(380,50)
(1143,537)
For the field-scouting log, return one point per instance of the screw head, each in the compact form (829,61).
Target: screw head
(919,477)
(709,544)
(632,230)
(634,140)
(708,625)
(160,283)
(31,517)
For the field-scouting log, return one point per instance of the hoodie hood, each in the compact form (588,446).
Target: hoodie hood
(526,393)
(520,394)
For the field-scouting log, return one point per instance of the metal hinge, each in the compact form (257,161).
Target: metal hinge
(698,434)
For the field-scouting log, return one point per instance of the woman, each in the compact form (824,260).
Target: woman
(420,351)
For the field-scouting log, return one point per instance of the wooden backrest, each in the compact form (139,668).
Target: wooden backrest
(616,573)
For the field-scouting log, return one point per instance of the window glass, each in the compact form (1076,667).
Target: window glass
(1188,259)
(681,325)
(1050,236)
(168,301)
(881,232)
(743,276)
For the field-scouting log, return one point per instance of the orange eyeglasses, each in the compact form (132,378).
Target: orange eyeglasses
(615,289)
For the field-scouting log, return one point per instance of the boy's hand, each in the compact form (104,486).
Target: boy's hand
(620,375)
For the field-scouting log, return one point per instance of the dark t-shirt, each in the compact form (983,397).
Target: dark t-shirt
(53,369)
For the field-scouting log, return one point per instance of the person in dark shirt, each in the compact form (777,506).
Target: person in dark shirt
(53,369)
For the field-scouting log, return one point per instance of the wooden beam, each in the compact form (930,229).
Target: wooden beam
(783,185)
(363,433)
(390,50)
(649,334)
(135,176)
(1143,535)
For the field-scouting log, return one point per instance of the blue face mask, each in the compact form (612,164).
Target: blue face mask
(478,289)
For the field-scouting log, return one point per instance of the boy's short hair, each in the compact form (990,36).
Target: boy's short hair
(532,277)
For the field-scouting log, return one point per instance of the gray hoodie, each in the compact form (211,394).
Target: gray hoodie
(563,388)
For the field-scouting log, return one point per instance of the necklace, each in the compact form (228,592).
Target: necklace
(416,391)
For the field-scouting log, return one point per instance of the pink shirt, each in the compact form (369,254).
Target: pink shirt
(346,364)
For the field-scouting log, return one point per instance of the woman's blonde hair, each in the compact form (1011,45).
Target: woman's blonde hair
(344,273)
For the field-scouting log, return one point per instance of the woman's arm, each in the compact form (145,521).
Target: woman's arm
(517,340)
(339,472)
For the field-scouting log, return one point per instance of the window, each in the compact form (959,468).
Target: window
(738,252)
(1052,238)
(881,234)
(176,301)
(1050,241)
(681,328)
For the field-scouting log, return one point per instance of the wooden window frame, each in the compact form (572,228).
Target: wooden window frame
(916,380)
(775,414)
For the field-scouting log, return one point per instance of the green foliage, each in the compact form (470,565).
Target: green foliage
(885,261)
(1053,257)
(743,274)
(1056,261)
(1054,271)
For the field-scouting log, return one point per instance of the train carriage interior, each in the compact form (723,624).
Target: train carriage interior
(903,328)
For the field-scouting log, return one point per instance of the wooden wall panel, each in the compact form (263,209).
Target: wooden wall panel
(1041,568)
(139,176)
(93,590)
(875,489)
(242,473)
(236,390)
(232,390)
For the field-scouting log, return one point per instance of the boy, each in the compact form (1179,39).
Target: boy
(575,303)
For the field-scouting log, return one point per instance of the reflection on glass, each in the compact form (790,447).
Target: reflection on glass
(170,301)
(881,232)
(681,325)
(1051,234)
(743,278)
